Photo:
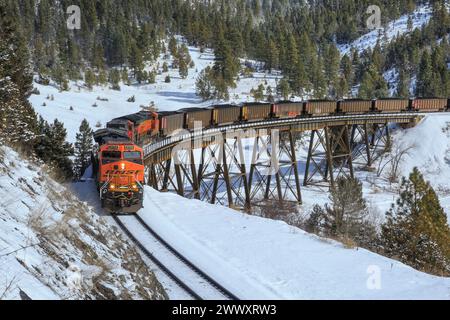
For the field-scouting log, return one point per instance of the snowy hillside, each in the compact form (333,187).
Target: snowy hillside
(431,149)
(266,259)
(52,246)
(420,17)
(428,148)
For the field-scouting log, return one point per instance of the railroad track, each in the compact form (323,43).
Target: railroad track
(195,282)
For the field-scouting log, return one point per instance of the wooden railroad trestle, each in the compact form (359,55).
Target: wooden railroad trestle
(244,169)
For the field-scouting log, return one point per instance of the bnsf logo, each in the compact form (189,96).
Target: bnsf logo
(124,172)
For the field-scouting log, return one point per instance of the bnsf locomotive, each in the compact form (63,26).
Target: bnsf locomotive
(118,161)
(119,168)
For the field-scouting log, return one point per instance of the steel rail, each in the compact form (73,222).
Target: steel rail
(187,262)
(214,284)
(156,261)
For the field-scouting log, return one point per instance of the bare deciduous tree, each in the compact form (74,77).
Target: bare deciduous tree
(392,163)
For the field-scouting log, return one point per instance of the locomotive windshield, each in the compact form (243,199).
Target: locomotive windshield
(111,154)
(132,155)
(117,126)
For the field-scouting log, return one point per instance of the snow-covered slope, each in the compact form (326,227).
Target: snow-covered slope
(265,259)
(430,142)
(420,17)
(52,246)
(427,147)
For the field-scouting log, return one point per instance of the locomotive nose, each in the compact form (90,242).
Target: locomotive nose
(124,181)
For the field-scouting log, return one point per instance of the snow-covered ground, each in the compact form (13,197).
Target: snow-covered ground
(52,246)
(420,17)
(264,259)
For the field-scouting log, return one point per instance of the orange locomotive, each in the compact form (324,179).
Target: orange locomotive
(140,127)
(119,167)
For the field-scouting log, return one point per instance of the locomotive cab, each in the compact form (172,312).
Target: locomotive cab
(120,177)
(123,125)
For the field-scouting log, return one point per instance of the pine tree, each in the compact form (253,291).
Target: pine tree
(59,74)
(342,89)
(165,67)
(425,76)
(377,59)
(14,54)
(225,69)
(348,209)
(315,221)
(403,84)
(116,49)
(366,89)
(62,150)
(102,78)
(114,79)
(83,150)
(136,59)
(183,54)
(347,69)
(283,89)
(273,56)
(373,84)
(258,94)
(269,92)
(332,62)
(18,120)
(410,24)
(98,56)
(125,76)
(318,79)
(173,47)
(183,69)
(204,85)
(141,76)
(73,60)
(359,67)
(152,77)
(416,230)
(53,148)
(292,59)
(89,79)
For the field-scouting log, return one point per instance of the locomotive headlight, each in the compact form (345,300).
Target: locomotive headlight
(112,186)
(134,186)
(122,166)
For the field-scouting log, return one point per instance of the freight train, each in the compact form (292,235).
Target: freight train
(118,161)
